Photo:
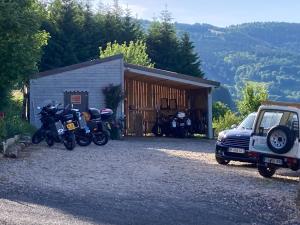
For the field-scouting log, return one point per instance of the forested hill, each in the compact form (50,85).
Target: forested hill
(265,52)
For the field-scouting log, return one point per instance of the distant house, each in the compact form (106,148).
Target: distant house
(145,89)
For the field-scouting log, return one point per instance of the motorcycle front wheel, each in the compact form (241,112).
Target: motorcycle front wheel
(38,137)
(100,138)
(84,139)
(69,141)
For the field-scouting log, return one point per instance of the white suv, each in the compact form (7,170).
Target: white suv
(275,138)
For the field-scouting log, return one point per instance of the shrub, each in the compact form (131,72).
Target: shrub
(219,109)
(3,133)
(15,125)
(226,121)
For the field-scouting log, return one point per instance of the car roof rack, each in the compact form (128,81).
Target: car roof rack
(288,104)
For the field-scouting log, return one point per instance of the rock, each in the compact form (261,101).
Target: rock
(13,151)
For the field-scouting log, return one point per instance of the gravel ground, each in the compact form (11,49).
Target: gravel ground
(141,181)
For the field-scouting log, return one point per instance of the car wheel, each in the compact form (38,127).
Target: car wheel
(266,171)
(280,139)
(222,161)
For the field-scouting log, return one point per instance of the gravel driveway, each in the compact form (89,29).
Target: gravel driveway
(141,181)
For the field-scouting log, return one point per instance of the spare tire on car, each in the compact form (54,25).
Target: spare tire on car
(280,139)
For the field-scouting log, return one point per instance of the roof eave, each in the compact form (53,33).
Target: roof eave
(183,78)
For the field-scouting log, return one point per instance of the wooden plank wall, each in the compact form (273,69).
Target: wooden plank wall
(144,98)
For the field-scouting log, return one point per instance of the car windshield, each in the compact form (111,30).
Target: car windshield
(247,123)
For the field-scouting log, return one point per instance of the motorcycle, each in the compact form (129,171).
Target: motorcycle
(58,125)
(162,125)
(181,125)
(47,115)
(92,129)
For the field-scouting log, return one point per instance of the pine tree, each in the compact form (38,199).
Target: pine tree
(91,36)
(65,28)
(188,61)
(131,28)
(162,42)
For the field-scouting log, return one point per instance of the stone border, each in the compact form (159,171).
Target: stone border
(12,146)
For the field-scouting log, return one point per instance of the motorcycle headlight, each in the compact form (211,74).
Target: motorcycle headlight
(188,122)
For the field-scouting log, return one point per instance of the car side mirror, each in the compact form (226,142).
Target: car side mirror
(233,126)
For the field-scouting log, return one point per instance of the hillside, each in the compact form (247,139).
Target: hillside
(265,52)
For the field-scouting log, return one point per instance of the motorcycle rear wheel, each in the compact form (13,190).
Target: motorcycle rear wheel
(84,140)
(100,139)
(50,141)
(70,142)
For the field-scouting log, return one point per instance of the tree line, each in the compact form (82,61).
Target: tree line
(37,36)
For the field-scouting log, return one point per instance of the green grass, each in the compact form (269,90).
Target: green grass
(13,123)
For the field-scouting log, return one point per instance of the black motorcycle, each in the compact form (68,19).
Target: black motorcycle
(58,125)
(181,125)
(47,118)
(91,128)
(162,125)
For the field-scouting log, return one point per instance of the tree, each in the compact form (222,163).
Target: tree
(219,109)
(226,121)
(253,95)
(21,40)
(188,61)
(163,43)
(168,52)
(134,52)
(64,23)
(131,28)
(91,36)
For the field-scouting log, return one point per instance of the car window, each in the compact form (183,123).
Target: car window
(270,119)
(247,123)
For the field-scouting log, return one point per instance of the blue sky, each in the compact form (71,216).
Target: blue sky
(218,12)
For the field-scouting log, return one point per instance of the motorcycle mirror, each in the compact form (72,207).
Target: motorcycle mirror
(38,107)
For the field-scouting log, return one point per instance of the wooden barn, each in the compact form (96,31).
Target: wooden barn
(147,90)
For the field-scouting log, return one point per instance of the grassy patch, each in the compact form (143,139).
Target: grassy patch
(13,123)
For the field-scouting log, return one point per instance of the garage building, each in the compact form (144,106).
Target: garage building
(146,91)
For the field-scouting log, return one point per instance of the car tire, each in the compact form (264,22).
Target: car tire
(222,161)
(266,171)
(280,139)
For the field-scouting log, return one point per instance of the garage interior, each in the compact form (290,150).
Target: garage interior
(148,93)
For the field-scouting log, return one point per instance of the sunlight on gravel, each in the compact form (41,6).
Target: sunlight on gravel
(148,168)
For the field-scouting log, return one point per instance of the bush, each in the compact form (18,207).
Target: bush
(219,109)
(3,133)
(226,121)
(13,124)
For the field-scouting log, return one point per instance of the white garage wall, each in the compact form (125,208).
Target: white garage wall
(91,78)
